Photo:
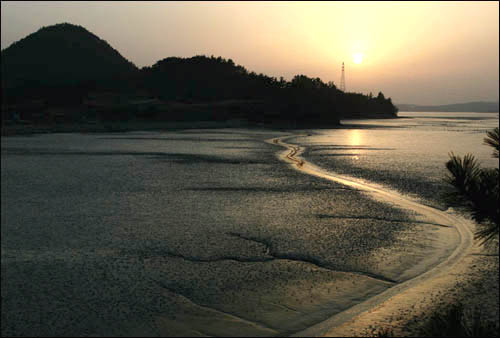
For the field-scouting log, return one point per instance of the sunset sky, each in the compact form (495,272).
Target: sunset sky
(414,52)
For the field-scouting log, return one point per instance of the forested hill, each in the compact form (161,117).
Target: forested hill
(303,99)
(65,64)
(62,54)
(205,78)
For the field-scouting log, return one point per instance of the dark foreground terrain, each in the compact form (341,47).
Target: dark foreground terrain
(195,232)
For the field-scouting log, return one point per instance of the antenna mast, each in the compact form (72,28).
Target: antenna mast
(342,79)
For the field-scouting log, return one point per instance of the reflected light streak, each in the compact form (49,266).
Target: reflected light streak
(355,138)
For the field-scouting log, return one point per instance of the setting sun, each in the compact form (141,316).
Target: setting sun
(357,58)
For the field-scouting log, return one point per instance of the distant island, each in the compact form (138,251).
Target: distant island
(65,75)
(476,107)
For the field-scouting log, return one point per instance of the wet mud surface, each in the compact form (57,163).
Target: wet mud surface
(152,233)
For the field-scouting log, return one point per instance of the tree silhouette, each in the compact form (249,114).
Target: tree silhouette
(301,101)
(491,140)
(476,189)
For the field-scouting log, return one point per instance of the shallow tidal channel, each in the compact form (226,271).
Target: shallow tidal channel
(197,232)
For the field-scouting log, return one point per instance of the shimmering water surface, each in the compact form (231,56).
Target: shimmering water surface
(408,153)
(207,232)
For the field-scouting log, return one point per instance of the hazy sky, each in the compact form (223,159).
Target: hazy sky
(414,52)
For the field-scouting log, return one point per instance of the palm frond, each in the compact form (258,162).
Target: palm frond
(475,189)
(486,232)
(492,140)
(463,174)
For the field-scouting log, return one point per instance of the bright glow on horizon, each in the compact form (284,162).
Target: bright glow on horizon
(357,58)
(414,52)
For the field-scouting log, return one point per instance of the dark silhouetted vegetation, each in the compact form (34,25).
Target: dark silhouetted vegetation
(381,332)
(457,321)
(452,320)
(476,189)
(65,65)
(301,101)
(61,55)
(492,140)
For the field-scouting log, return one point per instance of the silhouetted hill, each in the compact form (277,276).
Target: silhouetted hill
(301,101)
(62,54)
(477,107)
(204,78)
(66,66)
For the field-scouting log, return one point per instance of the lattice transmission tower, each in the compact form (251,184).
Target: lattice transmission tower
(342,79)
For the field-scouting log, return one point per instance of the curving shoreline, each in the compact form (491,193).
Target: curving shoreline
(426,271)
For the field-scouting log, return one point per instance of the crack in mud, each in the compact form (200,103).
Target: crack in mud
(284,307)
(166,253)
(267,189)
(270,255)
(308,259)
(256,324)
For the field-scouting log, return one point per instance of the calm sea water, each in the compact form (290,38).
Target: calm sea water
(408,153)
(207,232)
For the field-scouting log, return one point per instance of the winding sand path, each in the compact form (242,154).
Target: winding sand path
(425,272)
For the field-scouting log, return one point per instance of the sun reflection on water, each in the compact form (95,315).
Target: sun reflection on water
(355,137)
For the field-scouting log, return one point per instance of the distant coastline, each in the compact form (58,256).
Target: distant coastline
(469,107)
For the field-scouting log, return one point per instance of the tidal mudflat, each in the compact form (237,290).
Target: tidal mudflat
(197,232)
